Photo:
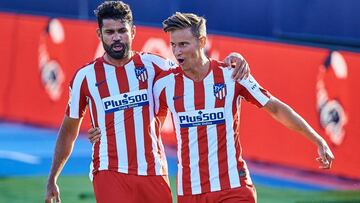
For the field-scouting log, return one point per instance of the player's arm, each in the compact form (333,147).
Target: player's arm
(239,64)
(289,118)
(64,145)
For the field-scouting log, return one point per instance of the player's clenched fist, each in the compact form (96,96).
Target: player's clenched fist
(52,193)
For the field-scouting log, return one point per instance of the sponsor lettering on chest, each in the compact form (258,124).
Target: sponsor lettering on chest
(125,101)
(201,117)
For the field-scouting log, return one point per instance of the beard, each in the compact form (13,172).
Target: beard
(124,52)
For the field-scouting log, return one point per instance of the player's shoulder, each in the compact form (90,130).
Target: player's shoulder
(147,56)
(248,82)
(223,68)
(84,69)
(166,75)
(218,64)
(160,61)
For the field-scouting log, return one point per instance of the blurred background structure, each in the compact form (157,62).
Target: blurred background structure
(306,52)
(328,22)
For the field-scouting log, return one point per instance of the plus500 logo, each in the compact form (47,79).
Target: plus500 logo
(201,117)
(125,101)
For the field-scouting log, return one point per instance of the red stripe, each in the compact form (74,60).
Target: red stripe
(185,159)
(221,133)
(236,116)
(96,158)
(239,90)
(129,123)
(96,147)
(82,101)
(202,138)
(149,156)
(109,118)
(160,73)
(162,112)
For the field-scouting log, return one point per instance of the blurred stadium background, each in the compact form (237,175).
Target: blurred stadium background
(305,52)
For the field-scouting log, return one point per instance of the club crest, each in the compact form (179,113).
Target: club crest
(220,90)
(141,74)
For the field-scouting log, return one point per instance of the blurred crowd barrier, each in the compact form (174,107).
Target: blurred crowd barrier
(39,56)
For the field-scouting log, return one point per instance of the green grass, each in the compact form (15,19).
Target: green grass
(78,189)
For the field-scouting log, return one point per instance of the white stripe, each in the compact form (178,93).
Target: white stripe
(138,121)
(212,135)
(230,142)
(193,138)
(20,156)
(119,126)
(144,77)
(75,93)
(91,81)
(159,162)
(92,148)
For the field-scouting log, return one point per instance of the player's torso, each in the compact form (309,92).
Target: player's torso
(202,107)
(120,101)
(205,118)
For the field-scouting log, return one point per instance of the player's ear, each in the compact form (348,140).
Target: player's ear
(202,41)
(133,31)
(98,32)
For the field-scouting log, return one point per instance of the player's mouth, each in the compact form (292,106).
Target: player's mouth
(181,61)
(117,46)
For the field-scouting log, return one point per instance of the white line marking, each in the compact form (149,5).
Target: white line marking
(19,156)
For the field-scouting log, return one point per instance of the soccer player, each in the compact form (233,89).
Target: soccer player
(128,162)
(204,105)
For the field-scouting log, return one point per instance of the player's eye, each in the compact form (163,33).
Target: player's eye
(109,31)
(182,44)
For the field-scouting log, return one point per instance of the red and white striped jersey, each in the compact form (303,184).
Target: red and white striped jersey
(206,117)
(121,104)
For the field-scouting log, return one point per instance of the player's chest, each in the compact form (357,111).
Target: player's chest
(196,96)
(121,89)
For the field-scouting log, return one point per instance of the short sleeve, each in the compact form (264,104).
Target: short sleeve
(161,64)
(253,92)
(77,103)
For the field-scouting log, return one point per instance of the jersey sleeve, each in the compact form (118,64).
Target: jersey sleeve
(161,64)
(77,103)
(252,92)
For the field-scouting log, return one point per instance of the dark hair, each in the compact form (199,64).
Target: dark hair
(180,21)
(116,10)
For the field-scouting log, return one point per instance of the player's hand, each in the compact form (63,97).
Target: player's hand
(94,135)
(52,193)
(326,157)
(238,62)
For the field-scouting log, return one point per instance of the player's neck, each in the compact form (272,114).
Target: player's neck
(118,62)
(199,70)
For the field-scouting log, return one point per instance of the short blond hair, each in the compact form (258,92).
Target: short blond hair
(180,21)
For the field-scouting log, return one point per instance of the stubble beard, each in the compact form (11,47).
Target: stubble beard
(124,52)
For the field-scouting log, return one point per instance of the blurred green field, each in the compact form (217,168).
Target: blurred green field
(79,189)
